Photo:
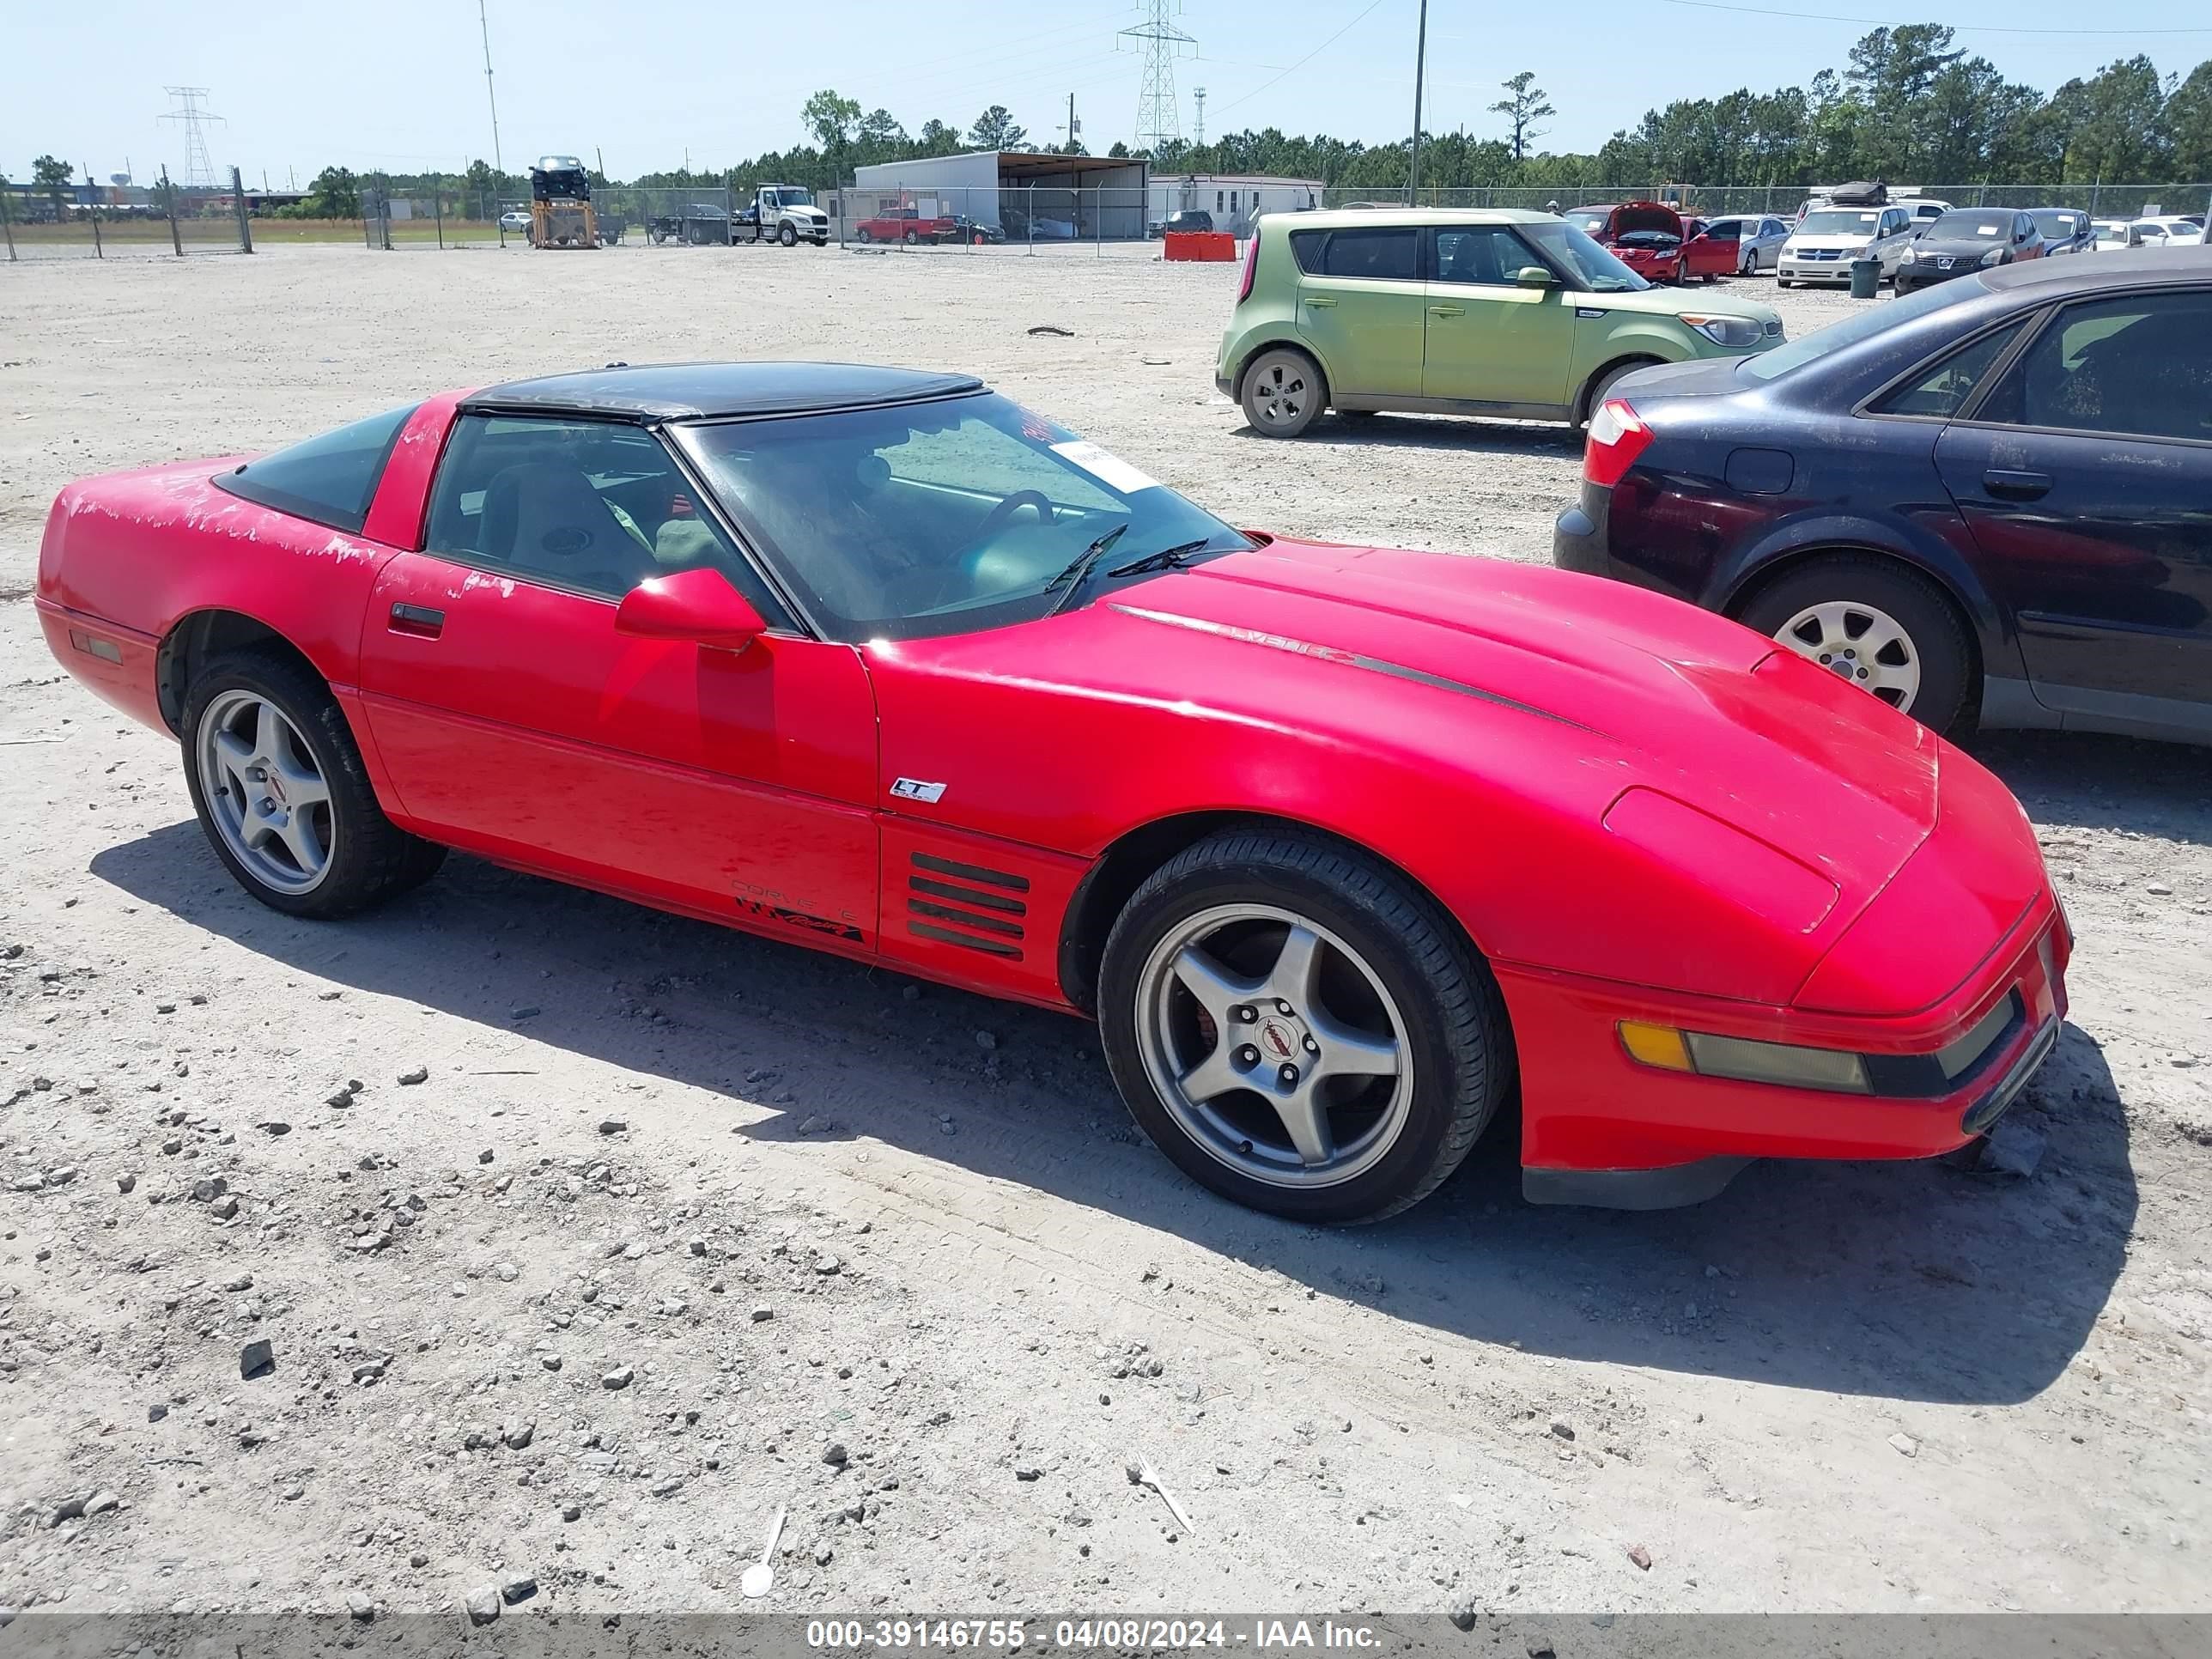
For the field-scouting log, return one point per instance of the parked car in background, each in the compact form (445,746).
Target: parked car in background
(2166,233)
(718,638)
(965,229)
(1466,312)
(1986,501)
(1923,209)
(906,224)
(1827,239)
(1645,236)
(695,224)
(2109,235)
(515,219)
(2065,230)
(1186,219)
(1967,238)
(1755,241)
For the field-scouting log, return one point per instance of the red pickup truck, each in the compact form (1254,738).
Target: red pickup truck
(907,224)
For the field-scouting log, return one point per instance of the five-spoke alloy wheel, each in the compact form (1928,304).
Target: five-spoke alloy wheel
(266,797)
(284,795)
(1299,1027)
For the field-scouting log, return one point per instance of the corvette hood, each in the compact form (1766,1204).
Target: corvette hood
(1656,719)
(1612,783)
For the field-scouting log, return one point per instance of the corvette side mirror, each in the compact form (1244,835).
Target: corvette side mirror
(1534,277)
(699,605)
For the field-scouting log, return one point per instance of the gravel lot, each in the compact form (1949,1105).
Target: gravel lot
(679,1226)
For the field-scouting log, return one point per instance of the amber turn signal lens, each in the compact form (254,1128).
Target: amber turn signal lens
(1654,1045)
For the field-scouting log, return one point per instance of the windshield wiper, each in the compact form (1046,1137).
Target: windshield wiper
(1079,566)
(1168,558)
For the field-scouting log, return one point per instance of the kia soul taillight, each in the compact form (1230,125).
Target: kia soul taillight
(1251,267)
(1617,436)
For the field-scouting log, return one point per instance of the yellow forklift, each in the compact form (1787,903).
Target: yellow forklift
(561,213)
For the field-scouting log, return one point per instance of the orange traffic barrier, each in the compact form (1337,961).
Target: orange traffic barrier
(1215,245)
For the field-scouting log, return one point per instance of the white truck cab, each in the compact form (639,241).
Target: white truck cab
(787,213)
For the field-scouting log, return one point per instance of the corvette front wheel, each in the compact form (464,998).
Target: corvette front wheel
(1300,1030)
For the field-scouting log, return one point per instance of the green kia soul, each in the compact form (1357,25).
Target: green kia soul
(1494,311)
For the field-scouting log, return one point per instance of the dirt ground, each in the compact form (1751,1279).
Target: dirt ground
(681,1227)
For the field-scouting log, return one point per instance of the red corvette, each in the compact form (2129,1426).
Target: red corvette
(1341,846)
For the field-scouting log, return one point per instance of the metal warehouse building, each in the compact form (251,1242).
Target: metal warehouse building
(1023,193)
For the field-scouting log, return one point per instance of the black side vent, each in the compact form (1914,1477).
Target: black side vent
(962,894)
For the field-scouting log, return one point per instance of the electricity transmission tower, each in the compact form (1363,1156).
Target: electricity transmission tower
(193,114)
(1157,121)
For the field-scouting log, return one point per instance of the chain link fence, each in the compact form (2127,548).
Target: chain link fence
(112,221)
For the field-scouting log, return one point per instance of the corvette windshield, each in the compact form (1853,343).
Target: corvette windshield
(944,517)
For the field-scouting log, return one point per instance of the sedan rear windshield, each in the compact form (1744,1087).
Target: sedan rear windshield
(327,480)
(1808,347)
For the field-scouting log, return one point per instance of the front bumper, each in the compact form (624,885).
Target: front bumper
(1598,1129)
(1837,271)
(1921,275)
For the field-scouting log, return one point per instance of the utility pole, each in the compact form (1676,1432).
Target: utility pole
(498,165)
(1198,97)
(1074,126)
(1421,74)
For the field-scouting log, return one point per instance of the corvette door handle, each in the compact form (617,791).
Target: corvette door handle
(419,620)
(2009,486)
(1447,311)
(1318,300)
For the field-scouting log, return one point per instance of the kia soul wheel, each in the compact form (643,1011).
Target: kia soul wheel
(1299,1030)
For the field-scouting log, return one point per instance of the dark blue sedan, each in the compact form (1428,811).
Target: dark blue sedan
(1991,502)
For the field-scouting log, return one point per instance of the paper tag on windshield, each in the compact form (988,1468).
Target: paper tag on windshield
(1985,230)
(1109,469)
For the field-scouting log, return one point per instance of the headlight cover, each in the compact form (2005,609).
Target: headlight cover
(1994,256)
(1910,255)
(1741,332)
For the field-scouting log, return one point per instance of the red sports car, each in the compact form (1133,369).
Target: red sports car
(1341,846)
(1648,237)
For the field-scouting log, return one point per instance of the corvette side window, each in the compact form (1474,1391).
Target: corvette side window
(327,480)
(597,506)
(1944,389)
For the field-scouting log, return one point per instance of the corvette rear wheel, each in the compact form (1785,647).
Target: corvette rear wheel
(1283,392)
(281,792)
(1298,1029)
(1884,629)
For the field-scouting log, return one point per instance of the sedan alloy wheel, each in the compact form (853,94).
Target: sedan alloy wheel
(265,793)
(1857,642)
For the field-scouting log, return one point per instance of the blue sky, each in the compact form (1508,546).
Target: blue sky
(401,85)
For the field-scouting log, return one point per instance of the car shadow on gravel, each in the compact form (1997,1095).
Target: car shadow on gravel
(1916,1281)
(2083,778)
(1472,437)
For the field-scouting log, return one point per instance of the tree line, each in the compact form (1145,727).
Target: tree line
(1908,107)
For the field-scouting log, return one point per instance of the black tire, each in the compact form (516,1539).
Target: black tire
(1283,391)
(1602,383)
(1460,1042)
(863,235)
(913,237)
(1950,684)
(374,859)
(1784,282)
(787,236)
